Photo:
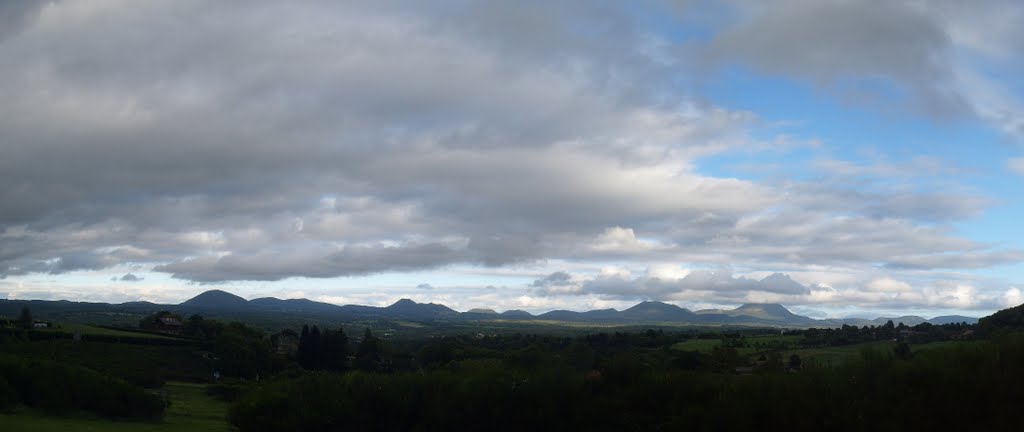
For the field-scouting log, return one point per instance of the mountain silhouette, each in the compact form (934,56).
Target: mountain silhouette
(216,299)
(222,303)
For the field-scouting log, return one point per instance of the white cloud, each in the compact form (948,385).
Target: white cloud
(1012,297)
(888,285)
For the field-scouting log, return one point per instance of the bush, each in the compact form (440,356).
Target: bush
(8,397)
(962,387)
(59,389)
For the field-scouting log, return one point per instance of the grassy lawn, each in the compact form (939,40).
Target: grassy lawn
(191,410)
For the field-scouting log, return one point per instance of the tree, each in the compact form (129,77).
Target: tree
(316,349)
(368,353)
(335,350)
(25,320)
(902,351)
(795,362)
(304,354)
(724,358)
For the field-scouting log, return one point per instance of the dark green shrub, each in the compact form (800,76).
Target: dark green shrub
(58,388)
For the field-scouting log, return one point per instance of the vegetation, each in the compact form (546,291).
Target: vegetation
(1002,322)
(549,386)
(60,388)
(189,410)
(320,378)
(25,320)
(327,350)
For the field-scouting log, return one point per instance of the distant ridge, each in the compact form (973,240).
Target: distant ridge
(952,319)
(222,303)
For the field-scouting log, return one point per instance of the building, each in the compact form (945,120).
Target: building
(168,325)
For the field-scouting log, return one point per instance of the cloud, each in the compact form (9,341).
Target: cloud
(560,278)
(888,285)
(855,47)
(557,283)
(326,262)
(287,140)
(130,278)
(934,57)
(700,284)
(1012,297)
(1016,166)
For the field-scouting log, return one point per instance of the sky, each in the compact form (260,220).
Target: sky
(842,158)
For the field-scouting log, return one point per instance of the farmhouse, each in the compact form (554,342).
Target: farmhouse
(168,325)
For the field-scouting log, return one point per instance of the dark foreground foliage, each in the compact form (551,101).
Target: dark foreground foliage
(968,386)
(61,389)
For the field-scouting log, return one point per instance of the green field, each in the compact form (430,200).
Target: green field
(191,410)
(834,356)
(755,344)
(87,330)
(128,361)
(821,356)
(698,345)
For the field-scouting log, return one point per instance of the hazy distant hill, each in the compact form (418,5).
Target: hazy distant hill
(217,302)
(516,314)
(406,308)
(652,311)
(949,319)
(910,320)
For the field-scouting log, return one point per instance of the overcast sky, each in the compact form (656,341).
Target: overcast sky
(838,157)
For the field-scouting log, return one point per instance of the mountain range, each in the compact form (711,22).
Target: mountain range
(217,302)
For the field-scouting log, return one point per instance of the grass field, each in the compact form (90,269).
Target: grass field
(834,356)
(129,361)
(87,330)
(698,345)
(191,410)
(755,344)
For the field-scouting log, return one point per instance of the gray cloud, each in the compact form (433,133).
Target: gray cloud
(556,278)
(130,278)
(334,139)
(327,262)
(721,283)
(856,48)
(935,57)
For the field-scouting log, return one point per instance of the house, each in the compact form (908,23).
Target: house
(966,334)
(168,324)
